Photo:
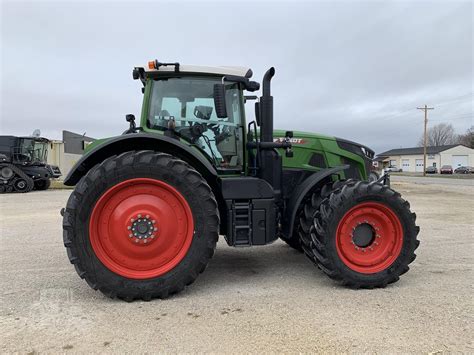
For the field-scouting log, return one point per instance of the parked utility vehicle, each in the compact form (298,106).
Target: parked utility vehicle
(149,205)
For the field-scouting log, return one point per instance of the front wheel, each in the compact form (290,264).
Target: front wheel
(364,235)
(42,184)
(141,225)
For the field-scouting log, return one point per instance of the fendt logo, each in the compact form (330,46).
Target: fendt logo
(292,140)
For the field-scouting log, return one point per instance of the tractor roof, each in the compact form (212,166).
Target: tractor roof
(223,70)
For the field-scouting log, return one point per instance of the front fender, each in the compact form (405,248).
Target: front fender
(301,192)
(139,141)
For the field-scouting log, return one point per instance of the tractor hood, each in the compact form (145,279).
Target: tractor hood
(308,139)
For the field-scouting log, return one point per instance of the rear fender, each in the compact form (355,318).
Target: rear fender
(301,192)
(140,141)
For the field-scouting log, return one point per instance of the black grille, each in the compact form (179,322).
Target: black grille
(353,171)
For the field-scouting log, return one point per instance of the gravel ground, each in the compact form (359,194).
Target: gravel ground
(462,180)
(262,299)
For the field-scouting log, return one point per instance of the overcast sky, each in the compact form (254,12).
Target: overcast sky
(355,69)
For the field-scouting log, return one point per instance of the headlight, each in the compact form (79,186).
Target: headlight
(367,152)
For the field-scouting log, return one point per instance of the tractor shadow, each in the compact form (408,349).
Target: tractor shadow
(262,265)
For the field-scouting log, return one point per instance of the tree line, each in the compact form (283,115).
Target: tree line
(444,134)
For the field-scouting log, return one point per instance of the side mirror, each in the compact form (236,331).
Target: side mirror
(219,100)
(130,118)
(257,113)
(135,74)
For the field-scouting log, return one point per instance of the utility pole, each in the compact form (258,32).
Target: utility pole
(426,108)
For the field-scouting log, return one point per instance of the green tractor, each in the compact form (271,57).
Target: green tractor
(149,205)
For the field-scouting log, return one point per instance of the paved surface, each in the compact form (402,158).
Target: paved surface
(248,300)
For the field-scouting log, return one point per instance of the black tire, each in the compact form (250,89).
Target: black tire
(130,165)
(330,213)
(293,242)
(310,207)
(42,184)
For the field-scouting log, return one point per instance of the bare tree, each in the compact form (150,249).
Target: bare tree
(467,138)
(441,134)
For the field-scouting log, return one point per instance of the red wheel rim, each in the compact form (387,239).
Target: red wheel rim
(141,228)
(384,246)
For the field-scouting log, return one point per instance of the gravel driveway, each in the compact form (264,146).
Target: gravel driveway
(248,300)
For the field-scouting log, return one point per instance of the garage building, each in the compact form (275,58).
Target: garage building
(411,159)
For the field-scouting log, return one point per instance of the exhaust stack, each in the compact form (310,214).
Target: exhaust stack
(266,108)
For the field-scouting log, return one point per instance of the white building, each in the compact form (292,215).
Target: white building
(411,159)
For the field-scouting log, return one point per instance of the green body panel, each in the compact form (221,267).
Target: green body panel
(95,144)
(305,144)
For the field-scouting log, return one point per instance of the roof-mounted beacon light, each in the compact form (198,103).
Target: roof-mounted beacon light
(155,64)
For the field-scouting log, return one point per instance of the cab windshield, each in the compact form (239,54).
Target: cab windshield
(186,106)
(30,150)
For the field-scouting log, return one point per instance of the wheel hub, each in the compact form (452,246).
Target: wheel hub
(142,229)
(363,235)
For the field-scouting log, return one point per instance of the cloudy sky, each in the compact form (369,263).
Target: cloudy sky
(355,69)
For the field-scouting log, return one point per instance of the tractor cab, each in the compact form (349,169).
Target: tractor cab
(179,101)
(183,107)
(30,150)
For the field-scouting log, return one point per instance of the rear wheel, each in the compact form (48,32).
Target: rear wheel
(141,225)
(364,235)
